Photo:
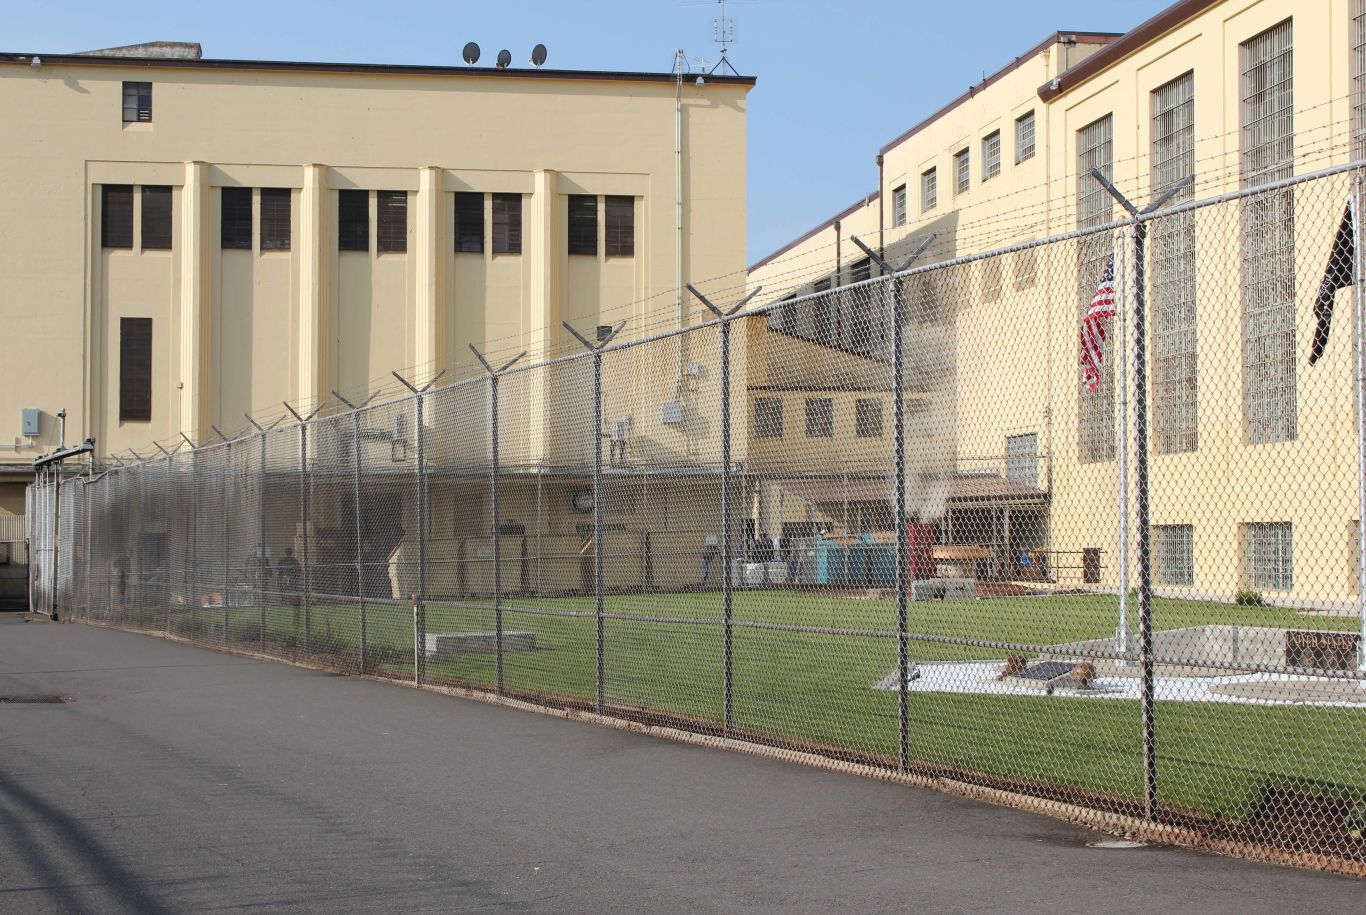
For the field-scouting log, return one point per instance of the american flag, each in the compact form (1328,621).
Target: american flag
(1093,328)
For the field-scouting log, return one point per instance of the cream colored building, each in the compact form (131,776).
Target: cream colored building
(1253,452)
(192,240)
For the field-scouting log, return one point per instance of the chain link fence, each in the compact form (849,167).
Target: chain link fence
(889,523)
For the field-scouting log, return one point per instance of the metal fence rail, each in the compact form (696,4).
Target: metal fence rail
(893,523)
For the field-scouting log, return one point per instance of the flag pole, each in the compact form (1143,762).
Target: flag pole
(1354,203)
(1122,636)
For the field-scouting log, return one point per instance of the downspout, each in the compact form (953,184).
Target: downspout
(680,64)
(881,218)
(1047,230)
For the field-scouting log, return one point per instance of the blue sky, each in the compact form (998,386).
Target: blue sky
(836,80)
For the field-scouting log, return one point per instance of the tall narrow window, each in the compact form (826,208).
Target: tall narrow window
(1270,410)
(234,220)
(929,191)
(991,155)
(1096,409)
(137,102)
(353,220)
(820,417)
(899,205)
(1358,31)
(1172,283)
(1269,550)
(135,370)
(391,221)
(507,223)
(962,170)
(1174,554)
(469,223)
(1022,459)
(116,215)
(620,228)
(583,224)
(768,417)
(1024,137)
(156,217)
(868,417)
(276,213)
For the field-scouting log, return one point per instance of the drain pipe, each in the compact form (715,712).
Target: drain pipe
(680,65)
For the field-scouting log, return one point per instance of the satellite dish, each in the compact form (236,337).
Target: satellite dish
(538,55)
(504,59)
(471,53)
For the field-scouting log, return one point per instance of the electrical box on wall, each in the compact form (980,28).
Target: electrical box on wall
(32,421)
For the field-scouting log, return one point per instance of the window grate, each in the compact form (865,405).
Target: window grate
(507,223)
(620,229)
(1022,459)
(276,218)
(156,217)
(235,217)
(137,103)
(391,222)
(1269,551)
(929,191)
(962,167)
(1024,137)
(1174,554)
(1172,253)
(820,417)
(116,216)
(991,155)
(583,224)
(135,370)
(899,206)
(469,223)
(1268,220)
(353,220)
(1096,409)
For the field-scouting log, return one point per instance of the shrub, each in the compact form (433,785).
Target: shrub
(1249,598)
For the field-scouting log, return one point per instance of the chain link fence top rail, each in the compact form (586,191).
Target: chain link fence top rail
(1141,599)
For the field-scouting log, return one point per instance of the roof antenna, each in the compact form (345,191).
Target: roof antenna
(723,33)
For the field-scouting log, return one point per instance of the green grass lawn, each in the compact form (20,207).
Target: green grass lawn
(816,689)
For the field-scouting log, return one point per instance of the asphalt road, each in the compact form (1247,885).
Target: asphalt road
(184,780)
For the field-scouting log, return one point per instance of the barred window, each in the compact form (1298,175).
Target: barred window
(929,191)
(276,217)
(1358,31)
(868,417)
(1172,257)
(353,220)
(137,102)
(820,417)
(1022,459)
(1096,409)
(116,215)
(768,417)
(469,223)
(991,155)
(1024,137)
(583,224)
(156,217)
(620,226)
(135,370)
(391,221)
(1269,552)
(1268,270)
(507,223)
(1174,554)
(235,218)
(962,169)
(899,205)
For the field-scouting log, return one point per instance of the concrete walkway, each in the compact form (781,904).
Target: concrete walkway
(186,780)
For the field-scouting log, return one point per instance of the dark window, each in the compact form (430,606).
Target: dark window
(899,205)
(353,220)
(820,417)
(276,203)
(116,215)
(768,417)
(507,223)
(135,370)
(236,218)
(583,224)
(469,223)
(621,226)
(789,318)
(868,417)
(156,217)
(137,102)
(823,315)
(860,270)
(391,217)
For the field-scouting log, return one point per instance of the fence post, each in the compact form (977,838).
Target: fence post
(263,561)
(596,350)
(1360,356)
(194,540)
(357,490)
(899,462)
(227,506)
(494,474)
(89,609)
(420,665)
(727,544)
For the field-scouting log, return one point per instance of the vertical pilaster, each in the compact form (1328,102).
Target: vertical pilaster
(542,326)
(312,264)
(193,273)
(427,353)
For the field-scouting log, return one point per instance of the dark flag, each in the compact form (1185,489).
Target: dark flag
(1341,261)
